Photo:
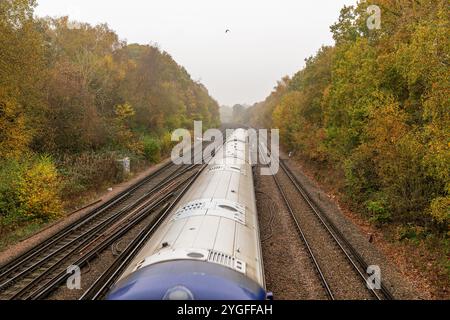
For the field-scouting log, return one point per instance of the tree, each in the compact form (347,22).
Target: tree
(375,107)
(21,75)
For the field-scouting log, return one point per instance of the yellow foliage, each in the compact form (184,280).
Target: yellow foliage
(124,135)
(166,143)
(124,111)
(14,137)
(38,191)
(440,209)
(387,125)
(377,106)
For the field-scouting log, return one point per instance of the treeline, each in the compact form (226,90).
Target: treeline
(74,98)
(375,106)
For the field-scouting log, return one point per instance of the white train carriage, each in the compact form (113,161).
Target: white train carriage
(209,247)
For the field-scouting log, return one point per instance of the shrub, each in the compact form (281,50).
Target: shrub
(88,171)
(39,191)
(166,144)
(412,232)
(10,174)
(380,214)
(360,175)
(440,210)
(152,149)
(29,191)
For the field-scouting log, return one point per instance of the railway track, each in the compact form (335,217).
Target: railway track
(100,287)
(99,213)
(108,278)
(111,237)
(40,270)
(25,279)
(308,216)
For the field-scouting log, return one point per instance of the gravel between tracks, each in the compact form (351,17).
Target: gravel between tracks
(105,258)
(345,283)
(284,256)
(289,272)
(95,268)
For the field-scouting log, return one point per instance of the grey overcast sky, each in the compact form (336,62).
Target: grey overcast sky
(268,40)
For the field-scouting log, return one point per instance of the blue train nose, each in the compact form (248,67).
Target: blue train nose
(186,280)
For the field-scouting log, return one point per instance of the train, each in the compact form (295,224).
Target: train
(208,247)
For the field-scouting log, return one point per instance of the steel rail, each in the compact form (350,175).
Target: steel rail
(44,245)
(80,240)
(50,286)
(85,238)
(162,203)
(337,236)
(108,277)
(312,256)
(23,258)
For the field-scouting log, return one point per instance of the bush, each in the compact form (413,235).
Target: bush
(167,144)
(440,211)
(360,175)
(152,149)
(412,232)
(29,191)
(10,174)
(39,190)
(379,212)
(88,171)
